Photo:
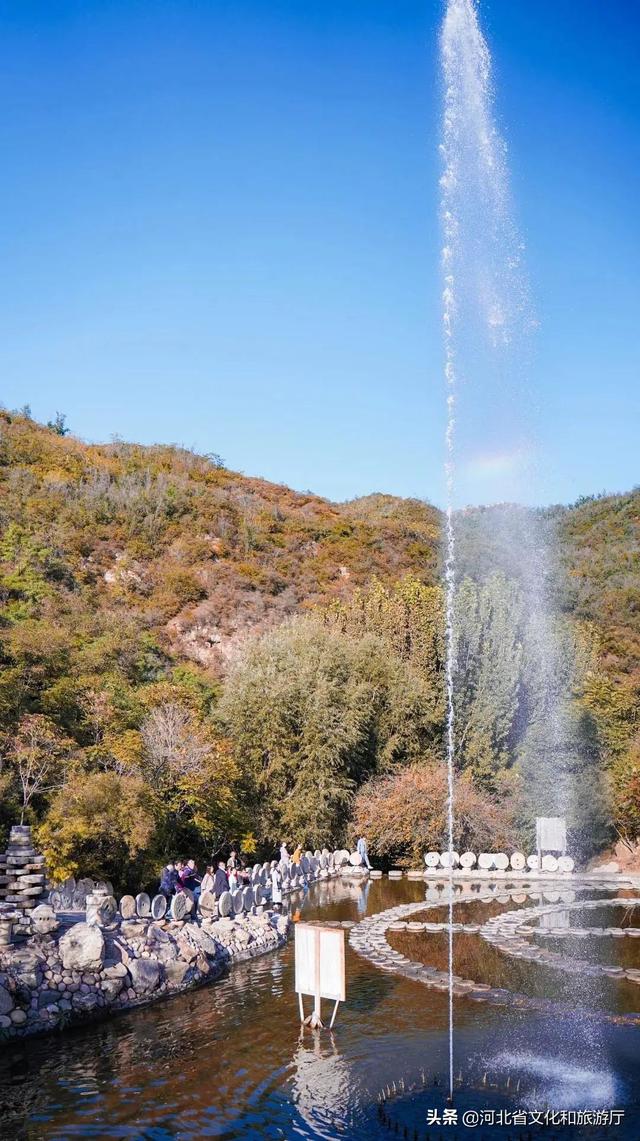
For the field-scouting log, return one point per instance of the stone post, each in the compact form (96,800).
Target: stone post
(22,878)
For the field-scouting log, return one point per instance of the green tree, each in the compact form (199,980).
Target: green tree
(101,825)
(58,424)
(488,656)
(561,775)
(38,755)
(312,713)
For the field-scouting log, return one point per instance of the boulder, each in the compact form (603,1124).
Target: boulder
(161,944)
(208,906)
(134,928)
(6,1000)
(179,906)
(200,939)
(186,948)
(85,1002)
(101,909)
(159,906)
(127,907)
(82,948)
(27,966)
(202,963)
(178,973)
(143,904)
(47,997)
(145,975)
(43,920)
(225,904)
(224,928)
(111,988)
(115,971)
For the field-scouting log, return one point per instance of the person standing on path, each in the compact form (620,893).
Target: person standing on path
(221,880)
(276,887)
(361,848)
(208,880)
(169,880)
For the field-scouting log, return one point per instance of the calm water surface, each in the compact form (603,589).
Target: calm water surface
(230,1060)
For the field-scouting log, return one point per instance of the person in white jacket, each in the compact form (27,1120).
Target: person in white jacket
(276,887)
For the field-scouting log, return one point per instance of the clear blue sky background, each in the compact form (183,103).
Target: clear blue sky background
(219,228)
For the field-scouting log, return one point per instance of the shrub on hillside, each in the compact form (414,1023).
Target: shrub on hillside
(404,814)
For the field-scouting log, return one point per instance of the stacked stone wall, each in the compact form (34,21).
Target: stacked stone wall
(23,884)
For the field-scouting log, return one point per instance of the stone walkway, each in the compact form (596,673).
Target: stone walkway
(369,939)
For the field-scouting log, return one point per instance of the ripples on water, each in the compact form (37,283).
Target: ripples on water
(230,1060)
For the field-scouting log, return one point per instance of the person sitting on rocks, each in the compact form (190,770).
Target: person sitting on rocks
(221,880)
(169,879)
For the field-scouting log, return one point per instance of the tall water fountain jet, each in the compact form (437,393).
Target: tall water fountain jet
(473,209)
(489,455)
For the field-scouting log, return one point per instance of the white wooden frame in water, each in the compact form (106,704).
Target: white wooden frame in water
(319,969)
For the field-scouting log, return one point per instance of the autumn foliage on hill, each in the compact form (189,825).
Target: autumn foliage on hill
(131,580)
(404,815)
(190,656)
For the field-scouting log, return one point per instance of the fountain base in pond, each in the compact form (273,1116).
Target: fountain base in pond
(492,1109)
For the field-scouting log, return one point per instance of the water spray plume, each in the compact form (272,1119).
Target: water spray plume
(473,172)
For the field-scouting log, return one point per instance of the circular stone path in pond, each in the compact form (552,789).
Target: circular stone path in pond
(506,932)
(369,939)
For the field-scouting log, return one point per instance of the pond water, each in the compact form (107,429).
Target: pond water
(230,1060)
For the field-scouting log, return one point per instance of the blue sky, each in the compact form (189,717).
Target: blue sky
(219,228)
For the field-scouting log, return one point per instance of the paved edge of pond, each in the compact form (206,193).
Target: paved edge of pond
(369,940)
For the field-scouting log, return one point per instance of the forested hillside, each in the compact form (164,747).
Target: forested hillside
(191,656)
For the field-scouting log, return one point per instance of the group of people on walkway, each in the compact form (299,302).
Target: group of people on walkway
(286,859)
(183,876)
(227,875)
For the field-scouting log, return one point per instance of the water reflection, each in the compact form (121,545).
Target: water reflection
(230,1060)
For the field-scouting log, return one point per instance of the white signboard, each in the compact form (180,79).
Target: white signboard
(551,834)
(320,961)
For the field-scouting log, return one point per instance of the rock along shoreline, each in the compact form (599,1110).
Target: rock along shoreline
(91,972)
(55,978)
